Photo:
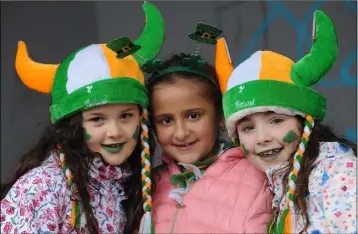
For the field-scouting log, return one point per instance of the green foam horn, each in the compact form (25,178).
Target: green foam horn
(152,37)
(312,67)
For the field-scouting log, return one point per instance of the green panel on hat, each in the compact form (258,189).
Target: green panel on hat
(108,91)
(261,93)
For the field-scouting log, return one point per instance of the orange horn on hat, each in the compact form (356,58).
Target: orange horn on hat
(223,63)
(34,75)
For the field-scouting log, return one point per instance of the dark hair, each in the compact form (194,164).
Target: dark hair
(320,134)
(212,92)
(68,133)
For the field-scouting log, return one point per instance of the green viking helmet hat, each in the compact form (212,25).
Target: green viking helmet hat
(97,74)
(268,81)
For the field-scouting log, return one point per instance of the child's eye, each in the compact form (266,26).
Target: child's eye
(165,121)
(126,115)
(97,119)
(194,116)
(276,121)
(247,128)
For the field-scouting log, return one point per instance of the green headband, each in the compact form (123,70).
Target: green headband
(191,68)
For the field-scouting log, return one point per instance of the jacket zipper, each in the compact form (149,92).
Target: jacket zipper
(179,206)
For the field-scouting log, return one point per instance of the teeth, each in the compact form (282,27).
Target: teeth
(270,152)
(185,145)
(114,145)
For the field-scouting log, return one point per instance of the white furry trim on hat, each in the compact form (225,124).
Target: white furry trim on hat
(234,118)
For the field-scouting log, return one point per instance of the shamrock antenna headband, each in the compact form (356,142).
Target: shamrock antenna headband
(204,33)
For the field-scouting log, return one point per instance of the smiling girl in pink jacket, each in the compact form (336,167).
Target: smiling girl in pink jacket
(203,185)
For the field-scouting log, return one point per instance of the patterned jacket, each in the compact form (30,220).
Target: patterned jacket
(40,201)
(332,191)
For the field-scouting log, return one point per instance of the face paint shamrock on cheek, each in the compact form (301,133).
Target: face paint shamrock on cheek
(136,133)
(290,137)
(86,135)
(244,149)
(135,136)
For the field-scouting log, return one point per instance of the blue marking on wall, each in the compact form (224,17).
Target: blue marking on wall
(278,9)
(347,79)
(352,5)
(300,27)
(256,37)
(303,38)
(351,134)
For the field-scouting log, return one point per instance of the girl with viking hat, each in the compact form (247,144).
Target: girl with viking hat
(270,107)
(90,169)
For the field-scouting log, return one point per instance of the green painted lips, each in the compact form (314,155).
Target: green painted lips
(113,148)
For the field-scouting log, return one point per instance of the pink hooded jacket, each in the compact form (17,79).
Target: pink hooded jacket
(231,197)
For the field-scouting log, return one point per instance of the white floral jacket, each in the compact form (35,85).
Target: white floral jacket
(40,201)
(332,191)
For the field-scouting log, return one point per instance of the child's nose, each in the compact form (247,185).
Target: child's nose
(181,131)
(263,136)
(114,130)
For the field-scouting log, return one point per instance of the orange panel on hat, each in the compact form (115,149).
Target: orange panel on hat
(223,64)
(122,67)
(275,67)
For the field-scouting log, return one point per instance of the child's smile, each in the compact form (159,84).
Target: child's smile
(117,124)
(269,155)
(268,138)
(186,129)
(113,148)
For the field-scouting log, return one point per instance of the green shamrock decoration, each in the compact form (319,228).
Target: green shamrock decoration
(123,46)
(194,60)
(205,33)
(152,65)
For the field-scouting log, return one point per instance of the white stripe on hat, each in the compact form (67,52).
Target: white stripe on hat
(248,70)
(88,65)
